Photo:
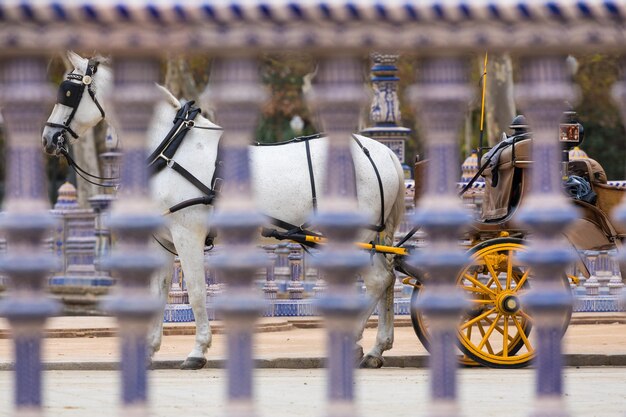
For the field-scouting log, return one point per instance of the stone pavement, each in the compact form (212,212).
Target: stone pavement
(393,392)
(89,343)
(299,343)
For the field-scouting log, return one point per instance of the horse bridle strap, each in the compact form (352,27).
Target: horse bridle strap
(71,93)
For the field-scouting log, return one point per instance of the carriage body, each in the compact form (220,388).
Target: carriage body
(496,331)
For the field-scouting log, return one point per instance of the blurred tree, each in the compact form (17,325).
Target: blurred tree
(604,129)
(406,74)
(284,75)
(499,99)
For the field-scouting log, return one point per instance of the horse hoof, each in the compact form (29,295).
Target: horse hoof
(371,362)
(193,363)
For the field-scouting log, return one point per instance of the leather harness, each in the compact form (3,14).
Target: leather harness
(163,156)
(291,228)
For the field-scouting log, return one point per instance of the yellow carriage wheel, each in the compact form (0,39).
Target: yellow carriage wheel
(495,331)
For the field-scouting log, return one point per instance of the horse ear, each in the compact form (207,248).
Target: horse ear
(169,97)
(78,61)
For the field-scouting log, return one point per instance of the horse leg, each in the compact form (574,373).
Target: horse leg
(358,349)
(161,284)
(190,249)
(381,290)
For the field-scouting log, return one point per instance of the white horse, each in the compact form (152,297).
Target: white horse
(282,189)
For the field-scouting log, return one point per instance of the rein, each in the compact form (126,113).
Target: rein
(84,174)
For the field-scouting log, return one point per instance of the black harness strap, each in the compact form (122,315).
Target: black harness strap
(183,122)
(311,175)
(291,228)
(189,177)
(381,226)
(164,153)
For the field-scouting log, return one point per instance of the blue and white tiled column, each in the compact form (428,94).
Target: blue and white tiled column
(26,97)
(385,109)
(441,95)
(133,221)
(237,94)
(338,96)
(543,90)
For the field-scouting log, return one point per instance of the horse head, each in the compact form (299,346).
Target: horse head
(79,106)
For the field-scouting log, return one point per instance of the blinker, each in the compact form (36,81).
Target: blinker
(69,94)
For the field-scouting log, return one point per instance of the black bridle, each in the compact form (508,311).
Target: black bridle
(70,94)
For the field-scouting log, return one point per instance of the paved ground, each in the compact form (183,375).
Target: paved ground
(397,392)
(394,392)
(291,343)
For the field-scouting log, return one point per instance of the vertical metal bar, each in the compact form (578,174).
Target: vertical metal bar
(26,95)
(236,93)
(338,96)
(441,96)
(619,95)
(543,91)
(133,221)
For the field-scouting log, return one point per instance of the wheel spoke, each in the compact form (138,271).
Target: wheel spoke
(509,270)
(522,280)
(477,318)
(494,274)
(522,334)
(488,333)
(526,316)
(498,328)
(481,301)
(482,332)
(479,284)
(505,339)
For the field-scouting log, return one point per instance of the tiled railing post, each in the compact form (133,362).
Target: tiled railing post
(338,96)
(441,96)
(26,96)
(619,213)
(236,93)
(543,91)
(133,221)
(3,251)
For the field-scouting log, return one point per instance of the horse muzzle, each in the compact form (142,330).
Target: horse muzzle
(53,141)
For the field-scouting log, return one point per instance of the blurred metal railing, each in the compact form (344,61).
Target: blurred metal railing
(137,33)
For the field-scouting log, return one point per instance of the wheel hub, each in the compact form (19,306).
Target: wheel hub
(508,303)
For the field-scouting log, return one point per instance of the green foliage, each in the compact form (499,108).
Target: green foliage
(284,76)
(604,131)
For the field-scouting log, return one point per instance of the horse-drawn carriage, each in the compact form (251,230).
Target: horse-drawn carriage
(496,330)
